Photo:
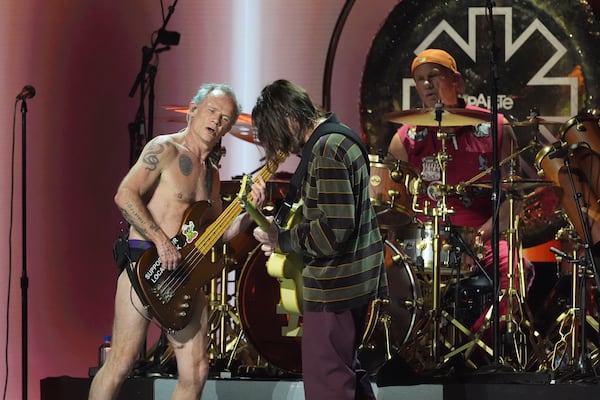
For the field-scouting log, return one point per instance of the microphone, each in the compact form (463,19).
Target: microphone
(564,151)
(27,93)
(559,252)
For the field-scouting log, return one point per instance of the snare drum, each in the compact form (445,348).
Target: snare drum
(388,187)
(416,241)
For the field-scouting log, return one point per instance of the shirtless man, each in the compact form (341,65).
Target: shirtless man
(173,172)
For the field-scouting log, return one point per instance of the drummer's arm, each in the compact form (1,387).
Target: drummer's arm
(508,147)
(397,149)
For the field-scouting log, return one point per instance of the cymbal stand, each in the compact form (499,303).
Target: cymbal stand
(515,297)
(518,317)
(223,321)
(565,350)
(439,213)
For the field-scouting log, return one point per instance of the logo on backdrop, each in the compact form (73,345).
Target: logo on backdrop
(533,31)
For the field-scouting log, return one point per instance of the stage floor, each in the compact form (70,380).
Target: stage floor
(492,386)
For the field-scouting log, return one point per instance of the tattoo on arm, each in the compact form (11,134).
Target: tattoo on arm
(151,156)
(132,222)
(185,165)
(135,219)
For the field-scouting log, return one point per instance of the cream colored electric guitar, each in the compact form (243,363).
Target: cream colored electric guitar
(286,268)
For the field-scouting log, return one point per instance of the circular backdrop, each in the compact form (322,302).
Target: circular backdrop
(545,56)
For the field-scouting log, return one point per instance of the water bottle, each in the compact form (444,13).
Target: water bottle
(104,351)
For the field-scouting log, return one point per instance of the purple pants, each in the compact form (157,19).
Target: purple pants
(330,367)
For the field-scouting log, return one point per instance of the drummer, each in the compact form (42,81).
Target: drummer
(438,80)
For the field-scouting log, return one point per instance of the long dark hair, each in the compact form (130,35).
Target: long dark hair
(282,115)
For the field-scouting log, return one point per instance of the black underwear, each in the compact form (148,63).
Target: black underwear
(137,248)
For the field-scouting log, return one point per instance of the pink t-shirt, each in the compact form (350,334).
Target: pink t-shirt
(470,149)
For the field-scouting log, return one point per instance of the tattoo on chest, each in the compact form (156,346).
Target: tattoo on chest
(151,156)
(185,165)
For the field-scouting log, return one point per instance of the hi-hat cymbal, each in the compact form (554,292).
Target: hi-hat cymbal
(534,122)
(242,129)
(450,117)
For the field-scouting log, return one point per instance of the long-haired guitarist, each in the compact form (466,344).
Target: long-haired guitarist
(173,172)
(338,237)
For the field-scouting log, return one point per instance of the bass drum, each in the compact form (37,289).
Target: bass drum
(398,318)
(275,335)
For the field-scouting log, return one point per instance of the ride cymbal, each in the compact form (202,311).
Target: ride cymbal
(449,117)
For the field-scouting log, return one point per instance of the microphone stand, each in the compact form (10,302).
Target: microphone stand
(138,133)
(584,363)
(495,184)
(24,278)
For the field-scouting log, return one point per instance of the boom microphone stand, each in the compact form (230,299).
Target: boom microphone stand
(138,132)
(27,93)
(584,363)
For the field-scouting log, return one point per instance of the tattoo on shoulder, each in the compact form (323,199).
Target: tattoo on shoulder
(151,155)
(185,165)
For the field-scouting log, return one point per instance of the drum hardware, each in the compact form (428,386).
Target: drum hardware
(439,214)
(508,185)
(519,329)
(565,349)
(518,317)
(577,317)
(223,320)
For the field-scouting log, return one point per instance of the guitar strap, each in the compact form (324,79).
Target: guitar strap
(332,125)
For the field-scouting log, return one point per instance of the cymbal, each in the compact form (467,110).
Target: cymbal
(534,122)
(450,117)
(242,129)
(509,185)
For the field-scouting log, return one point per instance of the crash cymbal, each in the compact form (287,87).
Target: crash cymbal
(512,185)
(242,129)
(450,117)
(534,122)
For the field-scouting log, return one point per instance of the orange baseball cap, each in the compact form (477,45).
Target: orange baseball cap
(435,56)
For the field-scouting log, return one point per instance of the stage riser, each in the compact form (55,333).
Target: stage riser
(67,388)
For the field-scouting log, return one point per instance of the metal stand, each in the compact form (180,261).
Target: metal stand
(224,321)
(439,215)
(141,130)
(576,315)
(26,93)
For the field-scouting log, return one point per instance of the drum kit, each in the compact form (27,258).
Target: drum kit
(437,291)
(438,309)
